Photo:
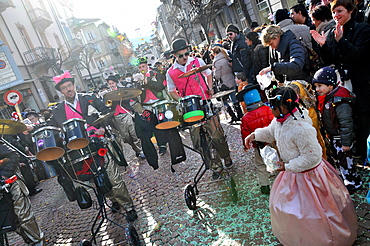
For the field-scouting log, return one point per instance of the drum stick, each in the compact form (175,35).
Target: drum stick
(133,116)
(18,111)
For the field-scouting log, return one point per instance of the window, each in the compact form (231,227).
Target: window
(263,10)
(24,35)
(101,64)
(239,9)
(97,48)
(57,40)
(90,35)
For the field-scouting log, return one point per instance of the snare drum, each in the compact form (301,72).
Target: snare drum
(75,133)
(192,108)
(168,114)
(49,143)
(75,156)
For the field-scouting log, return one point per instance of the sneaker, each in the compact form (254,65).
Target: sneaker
(131,215)
(352,188)
(265,189)
(228,162)
(162,150)
(115,207)
(140,155)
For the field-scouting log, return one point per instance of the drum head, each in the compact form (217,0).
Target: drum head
(50,154)
(193,116)
(167,125)
(78,143)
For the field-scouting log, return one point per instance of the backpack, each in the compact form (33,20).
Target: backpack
(315,61)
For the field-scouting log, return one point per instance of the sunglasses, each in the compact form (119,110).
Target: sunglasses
(182,55)
(229,34)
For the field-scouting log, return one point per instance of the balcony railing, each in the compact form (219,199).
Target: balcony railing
(39,54)
(40,17)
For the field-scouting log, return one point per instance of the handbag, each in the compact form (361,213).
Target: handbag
(270,157)
(83,197)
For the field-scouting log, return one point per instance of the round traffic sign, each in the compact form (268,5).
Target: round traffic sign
(2,64)
(13,97)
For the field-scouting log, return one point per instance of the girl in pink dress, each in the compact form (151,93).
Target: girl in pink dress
(309,204)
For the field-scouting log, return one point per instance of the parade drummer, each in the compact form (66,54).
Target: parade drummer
(123,114)
(87,106)
(27,226)
(196,85)
(152,92)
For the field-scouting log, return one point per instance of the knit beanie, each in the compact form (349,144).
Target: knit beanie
(326,76)
(112,77)
(232,28)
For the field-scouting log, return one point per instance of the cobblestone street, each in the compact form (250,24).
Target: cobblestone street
(159,200)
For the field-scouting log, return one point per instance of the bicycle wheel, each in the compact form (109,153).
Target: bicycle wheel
(190,197)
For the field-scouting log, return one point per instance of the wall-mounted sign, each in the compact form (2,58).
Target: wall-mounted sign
(9,72)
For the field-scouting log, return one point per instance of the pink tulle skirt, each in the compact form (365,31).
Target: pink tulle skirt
(312,208)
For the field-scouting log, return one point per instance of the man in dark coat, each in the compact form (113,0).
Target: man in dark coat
(88,107)
(241,55)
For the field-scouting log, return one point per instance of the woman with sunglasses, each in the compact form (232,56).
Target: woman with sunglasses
(309,204)
(347,46)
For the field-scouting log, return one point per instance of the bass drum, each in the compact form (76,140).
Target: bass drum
(49,143)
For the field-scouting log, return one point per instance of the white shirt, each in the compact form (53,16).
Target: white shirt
(74,102)
(171,85)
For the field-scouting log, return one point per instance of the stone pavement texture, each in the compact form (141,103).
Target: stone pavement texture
(159,200)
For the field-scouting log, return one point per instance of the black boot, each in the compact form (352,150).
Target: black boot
(238,110)
(230,111)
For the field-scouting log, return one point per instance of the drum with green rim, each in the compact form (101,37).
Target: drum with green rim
(192,109)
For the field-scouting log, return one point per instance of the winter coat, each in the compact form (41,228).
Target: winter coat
(258,118)
(222,71)
(241,59)
(260,58)
(352,53)
(302,32)
(296,142)
(290,59)
(337,114)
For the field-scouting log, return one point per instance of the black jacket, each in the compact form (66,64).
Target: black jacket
(8,168)
(154,86)
(241,57)
(260,58)
(59,113)
(352,53)
(290,59)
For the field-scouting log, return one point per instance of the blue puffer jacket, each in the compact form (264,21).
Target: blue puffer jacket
(290,59)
